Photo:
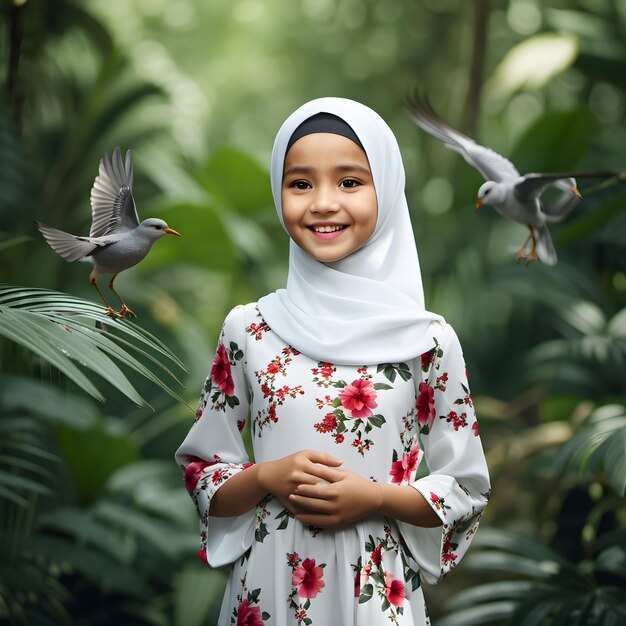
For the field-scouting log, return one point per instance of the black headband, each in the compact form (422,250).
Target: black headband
(324,123)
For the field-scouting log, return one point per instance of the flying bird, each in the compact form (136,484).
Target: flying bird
(116,239)
(514,196)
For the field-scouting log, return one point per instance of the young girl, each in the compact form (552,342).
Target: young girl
(352,388)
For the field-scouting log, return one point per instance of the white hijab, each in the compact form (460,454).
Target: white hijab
(367,308)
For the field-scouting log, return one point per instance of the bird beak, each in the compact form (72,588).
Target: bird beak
(171,231)
(576,192)
(479,203)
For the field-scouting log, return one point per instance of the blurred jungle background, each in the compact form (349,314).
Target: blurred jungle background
(95,525)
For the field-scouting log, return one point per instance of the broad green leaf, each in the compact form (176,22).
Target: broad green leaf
(534,62)
(84,529)
(237,180)
(150,529)
(204,239)
(101,569)
(502,590)
(17,483)
(554,142)
(93,455)
(476,615)
(45,400)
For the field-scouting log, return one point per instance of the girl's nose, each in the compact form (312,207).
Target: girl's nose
(325,201)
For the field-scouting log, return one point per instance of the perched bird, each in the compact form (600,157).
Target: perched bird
(514,196)
(116,239)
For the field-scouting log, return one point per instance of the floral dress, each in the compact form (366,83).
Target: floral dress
(399,423)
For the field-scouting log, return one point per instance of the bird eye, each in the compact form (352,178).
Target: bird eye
(157,227)
(487,191)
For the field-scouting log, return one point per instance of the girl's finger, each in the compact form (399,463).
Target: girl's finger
(317,456)
(316,505)
(330,474)
(312,490)
(303,478)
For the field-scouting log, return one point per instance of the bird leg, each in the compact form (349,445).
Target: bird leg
(124,310)
(520,254)
(532,255)
(109,311)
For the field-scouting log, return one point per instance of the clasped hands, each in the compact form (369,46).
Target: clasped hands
(311,486)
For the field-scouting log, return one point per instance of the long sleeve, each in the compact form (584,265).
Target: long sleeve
(457,486)
(213,450)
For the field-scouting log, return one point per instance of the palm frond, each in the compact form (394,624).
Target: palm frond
(75,335)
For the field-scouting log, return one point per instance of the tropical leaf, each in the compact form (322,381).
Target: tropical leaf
(53,325)
(598,446)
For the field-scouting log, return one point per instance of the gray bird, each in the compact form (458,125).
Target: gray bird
(116,239)
(514,196)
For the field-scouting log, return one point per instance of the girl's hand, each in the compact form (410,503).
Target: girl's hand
(282,477)
(346,498)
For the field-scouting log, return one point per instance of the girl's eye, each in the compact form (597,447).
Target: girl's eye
(349,183)
(300,184)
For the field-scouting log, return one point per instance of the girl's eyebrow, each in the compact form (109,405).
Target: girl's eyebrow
(301,169)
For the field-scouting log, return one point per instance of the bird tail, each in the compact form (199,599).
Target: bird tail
(545,247)
(70,247)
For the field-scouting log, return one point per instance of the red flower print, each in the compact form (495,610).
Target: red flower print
(359,397)
(401,470)
(193,473)
(248,615)
(202,555)
(366,571)
(394,590)
(273,368)
(293,558)
(220,372)
(357,584)
(308,578)
(339,438)
(377,555)
(441,381)
(447,554)
(458,421)
(475,429)
(328,424)
(425,405)
(427,359)
(218,476)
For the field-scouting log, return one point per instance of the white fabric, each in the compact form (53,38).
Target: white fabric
(294,403)
(368,307)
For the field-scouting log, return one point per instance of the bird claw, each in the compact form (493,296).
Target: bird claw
(126,312)
(113,314)
(531,258)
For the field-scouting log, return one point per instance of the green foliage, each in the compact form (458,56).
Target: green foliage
(55,327)
(557,141)
(95,527)
(547,588)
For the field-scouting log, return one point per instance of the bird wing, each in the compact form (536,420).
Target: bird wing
(532,185)
(70,247)
(112,205)
(492,165)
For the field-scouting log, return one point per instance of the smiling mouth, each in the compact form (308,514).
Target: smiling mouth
(327,231)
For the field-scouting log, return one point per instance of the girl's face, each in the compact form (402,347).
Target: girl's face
(328,196)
